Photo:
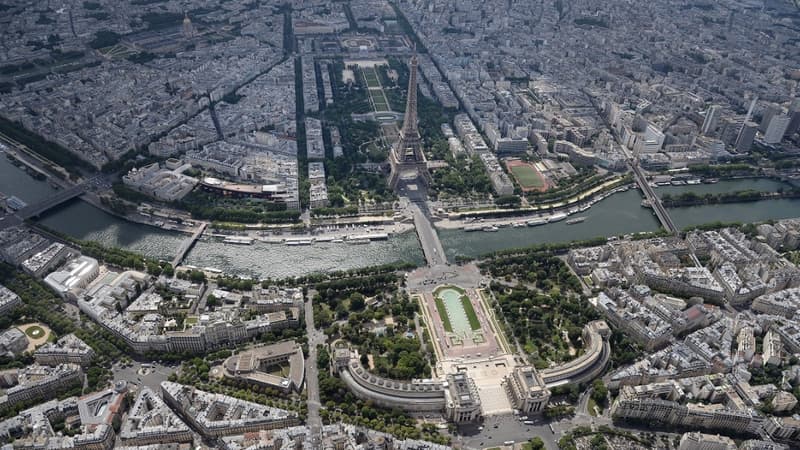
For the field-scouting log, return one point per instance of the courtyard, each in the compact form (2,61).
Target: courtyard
(37,334)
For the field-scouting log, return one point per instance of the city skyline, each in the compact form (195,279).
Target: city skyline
(405,224)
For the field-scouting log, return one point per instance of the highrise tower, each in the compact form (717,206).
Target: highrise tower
(406,155)
(188,29)
(747,118)
(794,113)
(710,122)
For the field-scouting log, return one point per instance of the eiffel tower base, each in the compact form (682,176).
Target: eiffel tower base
(421,168)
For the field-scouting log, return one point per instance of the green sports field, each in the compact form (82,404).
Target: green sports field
(527,176)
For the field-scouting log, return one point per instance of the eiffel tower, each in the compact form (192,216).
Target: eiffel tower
(406,155)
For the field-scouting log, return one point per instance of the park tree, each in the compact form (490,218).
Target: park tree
(599,392)
(599,442)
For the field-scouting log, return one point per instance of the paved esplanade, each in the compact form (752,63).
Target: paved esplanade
(315,337)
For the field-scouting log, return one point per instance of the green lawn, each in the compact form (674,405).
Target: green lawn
(443,315)
(466,304)
(527,177)
(474,323)
(372,78)
(379,100)
(592,405)
(35,332)
(375,90)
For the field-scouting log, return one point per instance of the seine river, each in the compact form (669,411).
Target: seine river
(616,215)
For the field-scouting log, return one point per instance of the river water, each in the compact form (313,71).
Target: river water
(756,184)
(83,221)
(279,260)
(616,215)
(622,213)
(15,181)
(619,214)
(732,212)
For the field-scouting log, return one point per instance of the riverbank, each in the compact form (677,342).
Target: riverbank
(187,226)
(32,170)
(617,214)
(16,181)
(693,199)
(351,229)
(309,236)
(603,189)
(32,159)
(265,260)
(529,216)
